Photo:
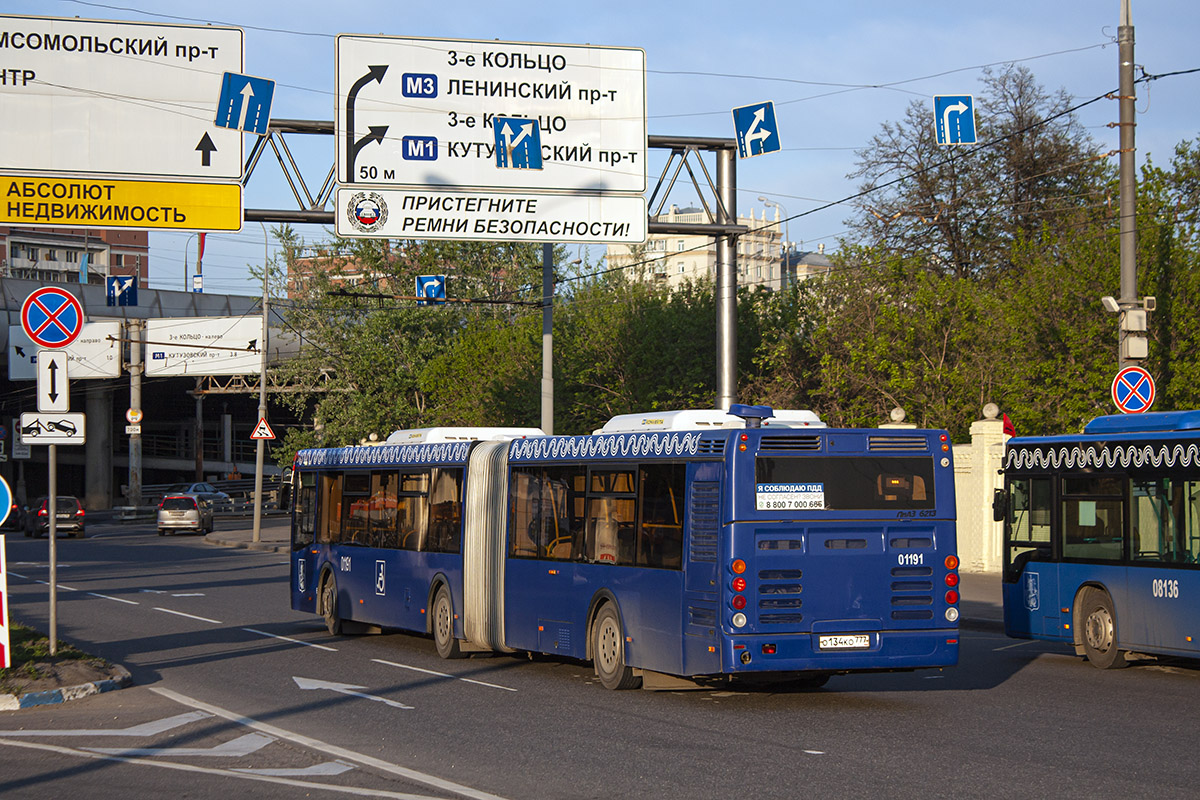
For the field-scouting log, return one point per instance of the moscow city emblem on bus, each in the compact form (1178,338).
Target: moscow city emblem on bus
(366,211)
(1033,600)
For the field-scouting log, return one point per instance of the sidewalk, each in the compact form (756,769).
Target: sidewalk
(982,604)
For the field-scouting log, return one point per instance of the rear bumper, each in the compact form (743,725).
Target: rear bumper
(797,652)
(180,525)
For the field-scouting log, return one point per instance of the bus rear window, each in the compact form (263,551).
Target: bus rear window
(851,483)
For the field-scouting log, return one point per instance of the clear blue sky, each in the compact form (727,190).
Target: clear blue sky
(816,61)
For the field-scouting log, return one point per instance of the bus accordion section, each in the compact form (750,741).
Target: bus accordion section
(1102,537)
(698,545)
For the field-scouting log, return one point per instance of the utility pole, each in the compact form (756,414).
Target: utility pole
(135,404)
(1132,343)
(548,338)
(260,445)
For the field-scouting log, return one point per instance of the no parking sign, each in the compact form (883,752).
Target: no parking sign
(1133,390)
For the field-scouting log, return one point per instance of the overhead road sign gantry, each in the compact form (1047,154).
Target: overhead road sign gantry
(421,112)
(117,98)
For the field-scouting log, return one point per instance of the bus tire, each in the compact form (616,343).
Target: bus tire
(1097,626)
(608,651)
(443,625)
(329,605)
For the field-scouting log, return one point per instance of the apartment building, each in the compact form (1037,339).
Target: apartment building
(56,255)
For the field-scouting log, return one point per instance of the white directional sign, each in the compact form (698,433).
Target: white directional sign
(95,353)
(41,428)
(52,390)
(116,98)
(203,346)
(421,112)
(491,216)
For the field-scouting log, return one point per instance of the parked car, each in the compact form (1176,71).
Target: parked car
(205,491)
(184,512)
(70,517)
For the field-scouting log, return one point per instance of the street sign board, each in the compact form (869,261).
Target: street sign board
(38,428)
(53,391)
(51,317)
(117,98)
(413,213)
(103,203)
(518,143)
(262,430)
(954,118)
(757,131)
(421,112)
(1133,390)
(432,288)
(121,290)
(203,346)
(95,353)
(245,103)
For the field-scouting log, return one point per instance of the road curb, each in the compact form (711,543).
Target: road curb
(12,702)
(220,541)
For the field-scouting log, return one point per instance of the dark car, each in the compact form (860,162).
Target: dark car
(14,520)
(70,517)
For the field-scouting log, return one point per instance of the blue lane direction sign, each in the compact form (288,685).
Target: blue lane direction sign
(757,132)
(51,317)
(432,288)
(122,290)
(245,103)
(6,501)
(954,118)
(518,143)
(1133,390)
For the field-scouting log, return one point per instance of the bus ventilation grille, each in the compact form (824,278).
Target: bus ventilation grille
(790,443)
(912,613)
(711,447)
(705,505)
(780,619)
(897,443)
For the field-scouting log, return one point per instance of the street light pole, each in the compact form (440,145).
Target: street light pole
(260,444)
(787,237)
(186,245)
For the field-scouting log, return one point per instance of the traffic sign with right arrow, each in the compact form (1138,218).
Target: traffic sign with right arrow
(954,118)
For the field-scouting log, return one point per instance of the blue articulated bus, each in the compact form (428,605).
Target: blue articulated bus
(690,544)
(1102,537)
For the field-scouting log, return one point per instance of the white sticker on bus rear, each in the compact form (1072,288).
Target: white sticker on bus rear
(789,496)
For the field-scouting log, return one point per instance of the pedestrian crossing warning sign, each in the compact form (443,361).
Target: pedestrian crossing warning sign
(262,430)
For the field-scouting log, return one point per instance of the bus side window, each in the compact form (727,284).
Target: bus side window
(1027,526)
(305,511)
(660,535)
(329,531)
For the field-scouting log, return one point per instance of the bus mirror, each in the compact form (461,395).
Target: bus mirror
(999,505)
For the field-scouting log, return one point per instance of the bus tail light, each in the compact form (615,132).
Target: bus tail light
(768,649)
(739,620)
(951,562)
(951,615)
(951,597)
(738,602)
(952,579)
(738,566)
(739,584)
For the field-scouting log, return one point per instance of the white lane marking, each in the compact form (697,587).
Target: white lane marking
(1010,646)
(145,729)
(283,781)
(332,750)
(189,594)
(316,770)
(189,616)
(234,748)
(443,675)
(289,639)
(118,599)
(815,752)
(47,583)
(311,684)
(44,564)
(17,575)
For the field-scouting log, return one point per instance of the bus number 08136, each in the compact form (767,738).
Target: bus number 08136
(1162,587)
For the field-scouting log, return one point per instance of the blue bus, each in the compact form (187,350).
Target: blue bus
(689,544)
(1102,537)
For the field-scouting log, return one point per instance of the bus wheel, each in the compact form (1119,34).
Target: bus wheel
(443,625)
(329,605)
(1097,628)
(608,651)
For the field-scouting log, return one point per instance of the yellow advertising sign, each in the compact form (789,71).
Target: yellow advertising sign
(103,203)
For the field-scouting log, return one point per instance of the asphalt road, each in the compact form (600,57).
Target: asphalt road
(237,694)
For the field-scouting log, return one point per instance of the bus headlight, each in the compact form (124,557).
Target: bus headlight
(952,614)
(739,620)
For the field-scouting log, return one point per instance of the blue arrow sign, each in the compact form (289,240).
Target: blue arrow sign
(432,288)
(6,501)
(518,143)
(122,290)
(245,103)
(954,118)
(757,132)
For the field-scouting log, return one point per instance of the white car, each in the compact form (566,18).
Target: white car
(184,512)
(202,490)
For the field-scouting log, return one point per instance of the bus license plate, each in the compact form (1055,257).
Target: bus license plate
(857,641)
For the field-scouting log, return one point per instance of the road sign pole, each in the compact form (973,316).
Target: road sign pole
(52,511)
(727,281)
(135,403)
(1127,166)
(262,391)
(548,338)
